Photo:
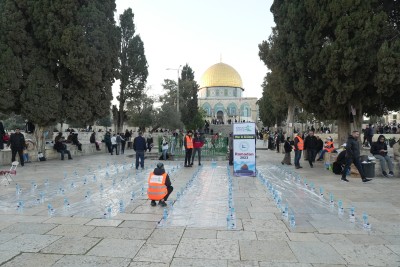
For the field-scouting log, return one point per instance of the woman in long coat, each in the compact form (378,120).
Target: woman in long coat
(288,149)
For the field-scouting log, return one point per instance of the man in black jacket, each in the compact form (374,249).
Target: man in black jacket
(311,146)
(380,151)
(353,156)
(139,145)
(17,143)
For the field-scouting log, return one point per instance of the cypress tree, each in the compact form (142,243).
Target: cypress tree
(63,57)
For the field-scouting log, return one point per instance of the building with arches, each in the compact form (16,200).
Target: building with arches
(220,95)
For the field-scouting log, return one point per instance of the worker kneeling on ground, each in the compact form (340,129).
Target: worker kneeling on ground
(159,186)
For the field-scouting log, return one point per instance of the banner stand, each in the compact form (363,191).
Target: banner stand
(244,149)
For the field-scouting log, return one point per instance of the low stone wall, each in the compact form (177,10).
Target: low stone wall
(87,149)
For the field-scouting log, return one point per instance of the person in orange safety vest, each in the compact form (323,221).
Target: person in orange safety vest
(328,147)
(298,148)
(159,186)
(188,142)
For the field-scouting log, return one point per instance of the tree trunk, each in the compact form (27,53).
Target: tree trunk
(40,140)
(345,126)
(290,121)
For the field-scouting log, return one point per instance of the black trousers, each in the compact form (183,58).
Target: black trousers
(20,153)
(357,163)
(311,154)
(170,189)
(188,155)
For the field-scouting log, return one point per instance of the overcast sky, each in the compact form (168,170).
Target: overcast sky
(200,33)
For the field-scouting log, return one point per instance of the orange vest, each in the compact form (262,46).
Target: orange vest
(157,189)
(189,142)
(329,146)
(300,144)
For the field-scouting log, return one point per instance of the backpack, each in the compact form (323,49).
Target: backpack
(337,168)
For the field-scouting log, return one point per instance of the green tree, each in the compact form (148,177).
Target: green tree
(133,66)
(335,57)
(191,116)
(58,60)
(105,121)
(167,117)
(141,112)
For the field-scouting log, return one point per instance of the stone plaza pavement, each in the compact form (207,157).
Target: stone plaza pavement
(261,238)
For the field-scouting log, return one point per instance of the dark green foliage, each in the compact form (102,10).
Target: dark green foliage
(188,87)
(133,65)
(58,59)
(331,55)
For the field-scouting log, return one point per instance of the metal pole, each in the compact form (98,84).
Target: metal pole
(177,92)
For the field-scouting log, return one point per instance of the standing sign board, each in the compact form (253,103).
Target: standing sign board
(244,149)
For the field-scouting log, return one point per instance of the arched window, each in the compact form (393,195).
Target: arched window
(245,110)
(232,110)
(207,109)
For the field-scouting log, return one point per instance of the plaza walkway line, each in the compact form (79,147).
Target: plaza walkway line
(262,237)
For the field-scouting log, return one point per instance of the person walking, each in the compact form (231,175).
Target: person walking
(380,151)
(311,146)
(197,145)
(159,186)
(17,143)
(2,133)
(298,148)
(139,145)
(188,143)
(149,142)
(353,156)
(107,141)
(123,143)
(164,147)
(114,144)
(230,146)
(288,150)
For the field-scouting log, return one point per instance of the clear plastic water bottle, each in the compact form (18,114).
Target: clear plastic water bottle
(213,163)
(285,212)
(366,224)
(109,211)
(72,185)
(142,190)
(331,200)
(165,214)
(121,206)
(352,215)
(34,185)
(20,205)
(132,195)
(66,204)
(340,207)
(321,192)
(41,197)
(17,189)
(312,188)
(292,221)
(46,183)
(94,178)
(50,209)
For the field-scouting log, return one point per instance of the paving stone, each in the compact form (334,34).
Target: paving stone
(7,255)
(120,233)
(302,237)
(22,218)
(148,209)
(332,224)
(30,259)
(181,262)
(104,222)
(139,217)
(5,225)
(71,230)
(4,237)
(119,248)
(200,233)
(329,265)
(29,242)
(243,215)
(156,253)
(208,249)
(68,220)
(29,228)
(366,239)
(272,236)
(90,261)
(376,255)
(277,251)
(237,235)
(394,248)
(166,236)
(333,238)
(148,264)
(138,224)
(315,252)
(284,264)
(263,225)
(263,215)
(71,245)
(243,264)
(392,239)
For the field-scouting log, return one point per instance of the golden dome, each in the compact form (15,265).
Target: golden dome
(221,74)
